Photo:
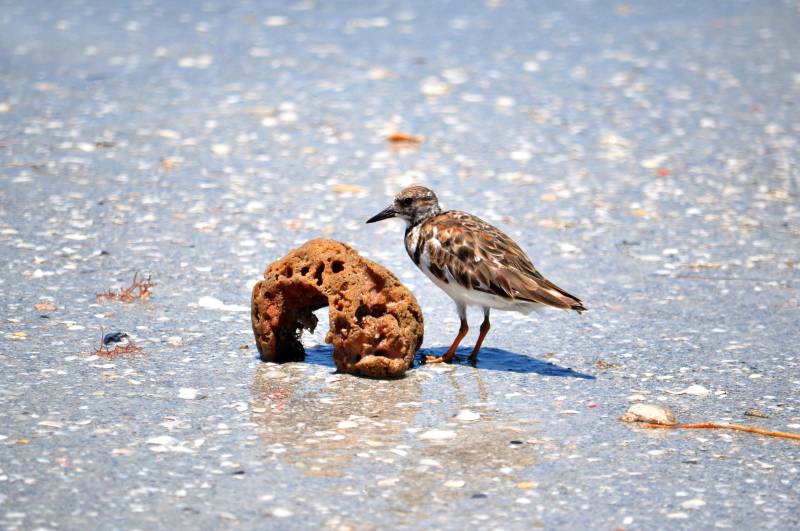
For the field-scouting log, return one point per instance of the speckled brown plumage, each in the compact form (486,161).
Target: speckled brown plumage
(478,256)
(474,262)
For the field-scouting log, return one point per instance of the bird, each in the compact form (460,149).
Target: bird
(473,262)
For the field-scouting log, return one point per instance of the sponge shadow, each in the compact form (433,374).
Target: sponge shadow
(491,359)
(496,359)
(320,355)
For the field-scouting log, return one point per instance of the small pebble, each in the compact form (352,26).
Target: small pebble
(695,503)
(187,393)
(678,516)
(434,87)
(175,341)
(437,435)
(694,390)
(220,149)
(162,440)
(114,337)
(280,512)
(467,415)
(652,413)
(275,21)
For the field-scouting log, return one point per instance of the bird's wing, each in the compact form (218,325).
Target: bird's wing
(481,257)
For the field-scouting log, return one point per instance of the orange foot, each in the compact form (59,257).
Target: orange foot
(438,359)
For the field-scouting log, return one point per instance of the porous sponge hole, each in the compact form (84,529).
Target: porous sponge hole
(318,273)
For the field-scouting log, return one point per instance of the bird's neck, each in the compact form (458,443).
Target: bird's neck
(422,215)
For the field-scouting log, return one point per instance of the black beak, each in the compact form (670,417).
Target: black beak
(386,213)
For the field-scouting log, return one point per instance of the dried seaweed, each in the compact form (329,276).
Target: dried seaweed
(659,417)
(723,426)
(139,289)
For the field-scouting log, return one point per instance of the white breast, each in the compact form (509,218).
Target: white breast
(412,238)
(469,297)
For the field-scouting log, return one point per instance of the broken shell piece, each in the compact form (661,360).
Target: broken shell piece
(187,393)
(467,415)
(162,440)
(437,435)
(651,413)
(694,390)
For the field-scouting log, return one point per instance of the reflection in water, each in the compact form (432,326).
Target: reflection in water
(482,455)
(376,436)
(318,421)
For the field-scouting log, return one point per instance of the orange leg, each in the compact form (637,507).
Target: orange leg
(451,352)
(473,358)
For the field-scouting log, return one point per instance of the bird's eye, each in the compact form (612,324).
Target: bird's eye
(406,202)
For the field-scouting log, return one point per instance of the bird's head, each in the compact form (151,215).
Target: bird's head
(414,204)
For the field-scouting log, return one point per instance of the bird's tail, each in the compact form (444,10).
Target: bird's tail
(568,301)
(578,306)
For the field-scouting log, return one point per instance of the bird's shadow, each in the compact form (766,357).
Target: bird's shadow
(491,359)
(497,359)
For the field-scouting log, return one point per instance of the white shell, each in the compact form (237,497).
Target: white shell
(651,413)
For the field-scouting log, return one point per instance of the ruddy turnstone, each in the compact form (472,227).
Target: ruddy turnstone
(475,263)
